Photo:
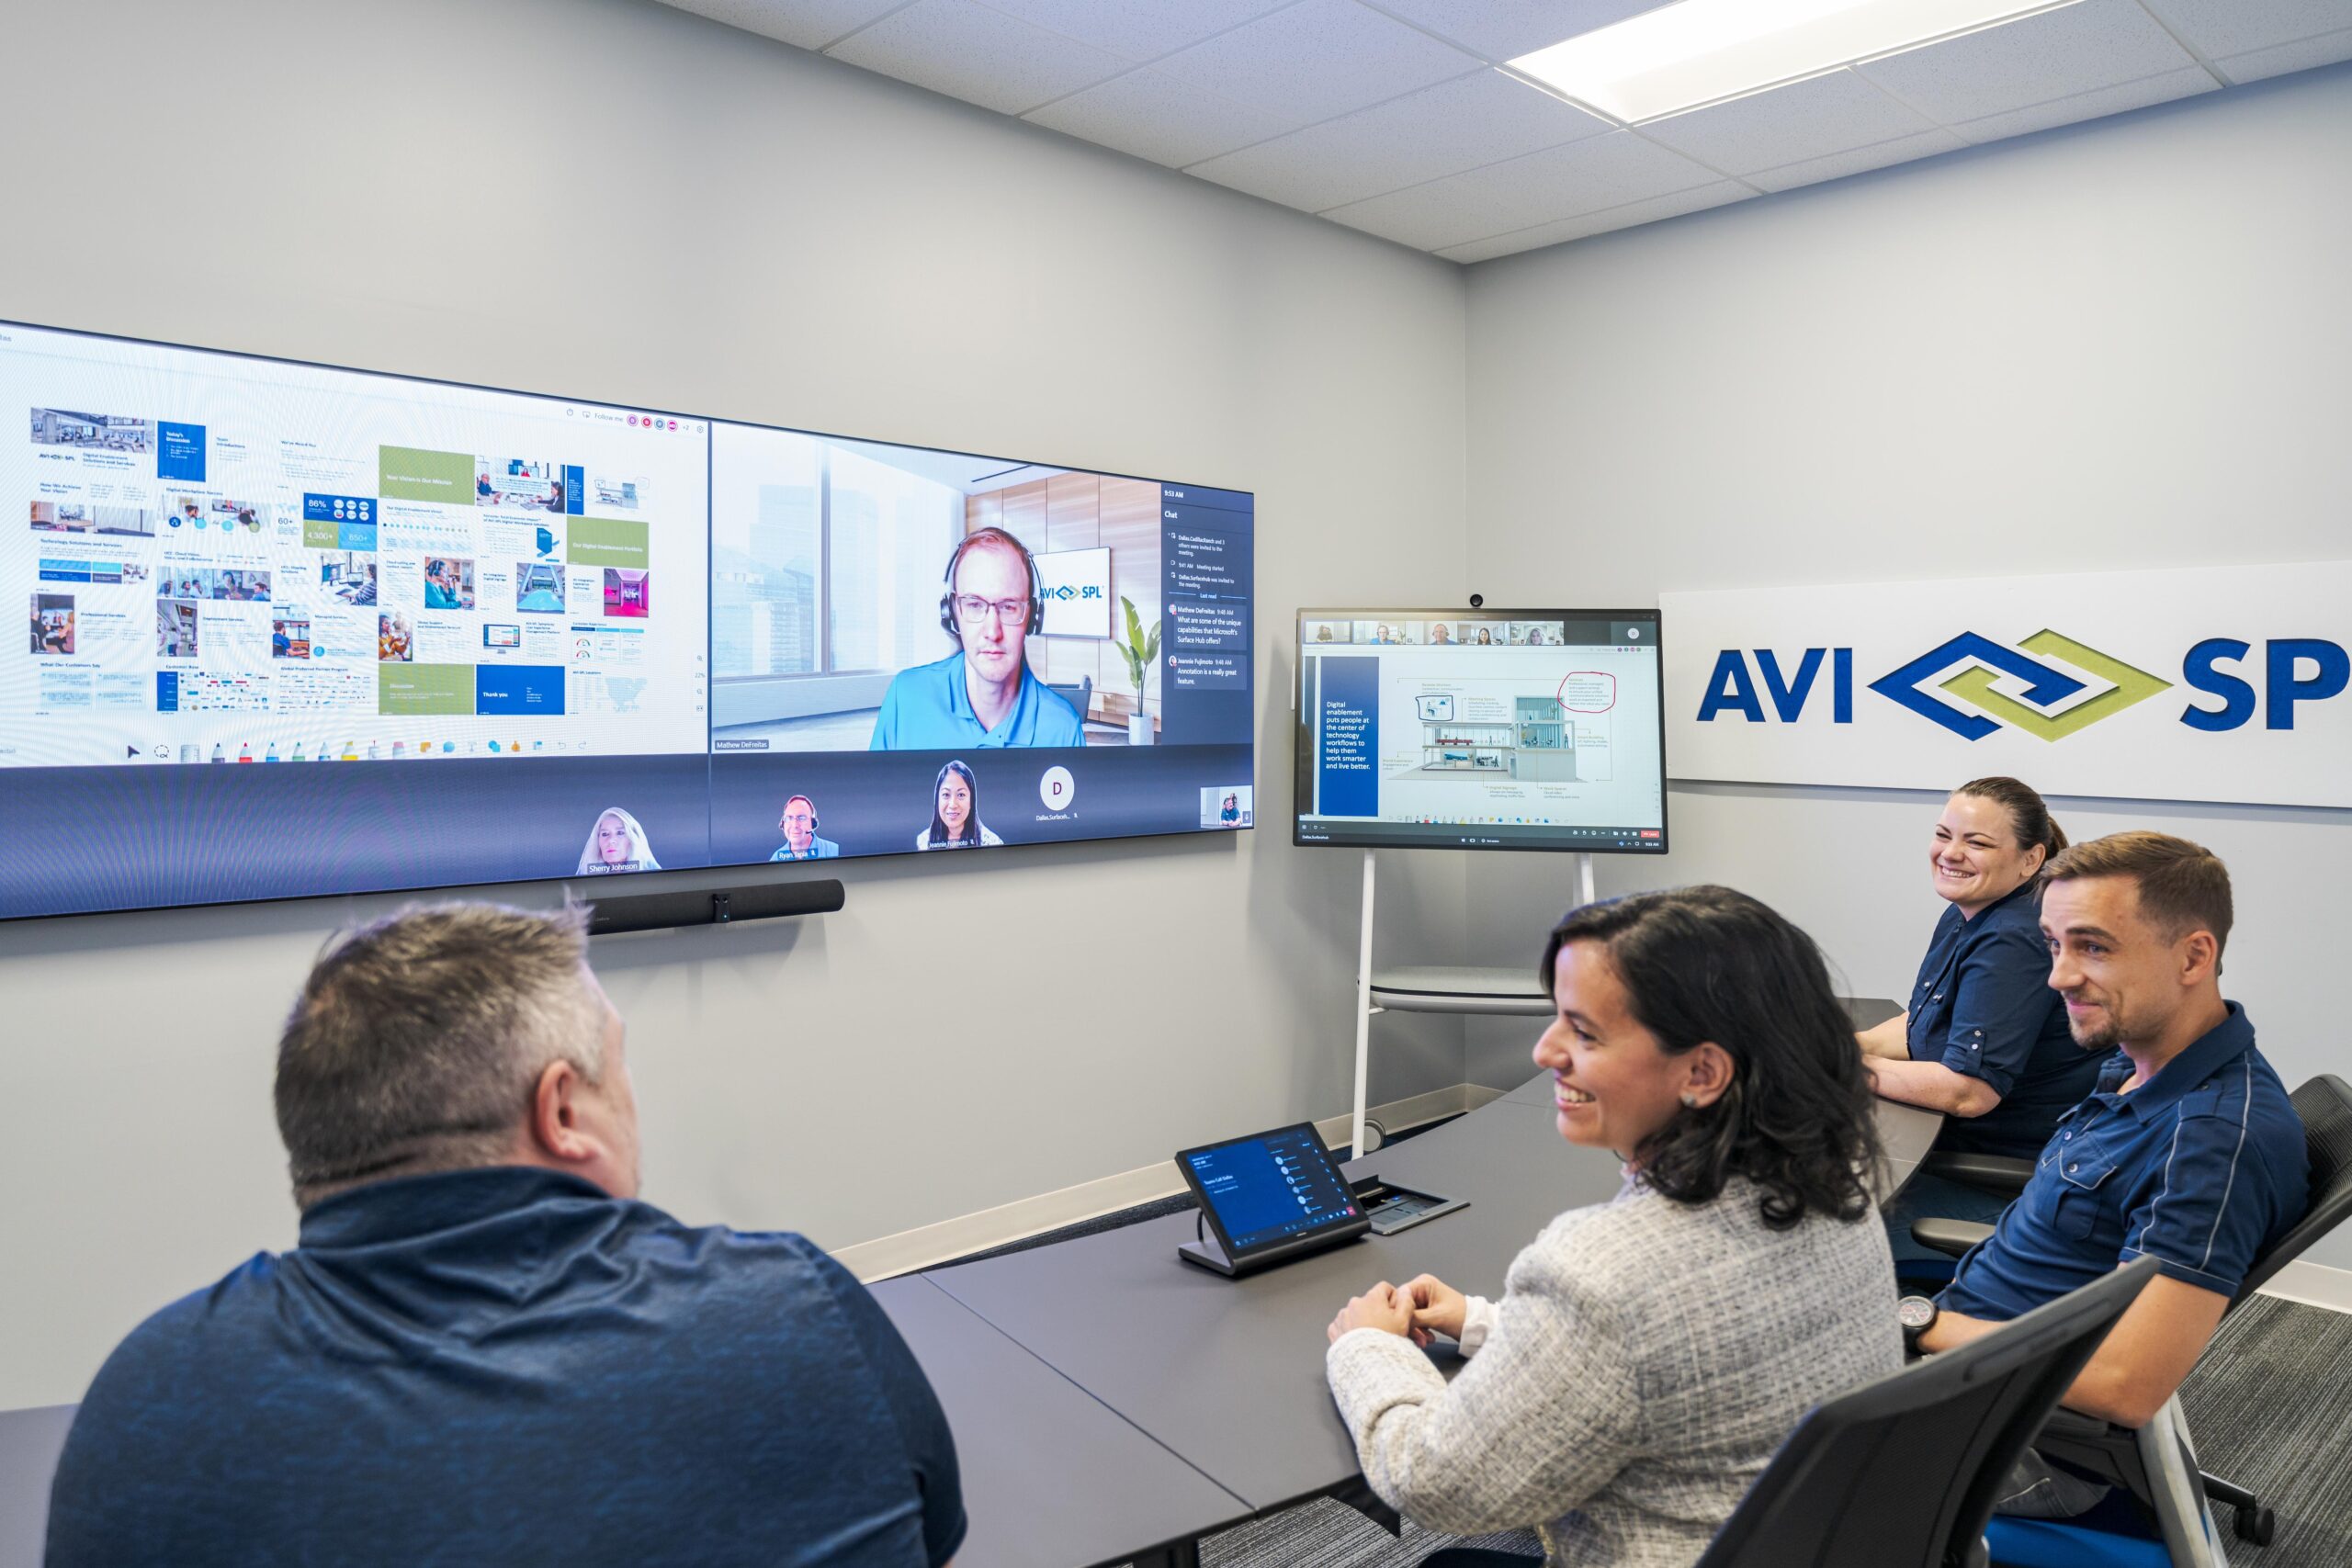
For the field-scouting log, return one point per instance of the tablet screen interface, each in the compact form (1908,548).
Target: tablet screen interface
(1270,1187)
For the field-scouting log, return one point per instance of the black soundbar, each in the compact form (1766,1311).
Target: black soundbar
(712,906)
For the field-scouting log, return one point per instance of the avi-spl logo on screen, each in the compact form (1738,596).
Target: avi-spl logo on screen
(1957,684)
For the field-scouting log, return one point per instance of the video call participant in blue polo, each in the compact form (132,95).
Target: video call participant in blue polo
(983,694)
(485,1348)
(1985,1039)
(2187,1151)
(798,825)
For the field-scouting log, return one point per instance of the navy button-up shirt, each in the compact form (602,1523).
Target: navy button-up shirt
(508,1366)
(2201,1169)
(1984,1008)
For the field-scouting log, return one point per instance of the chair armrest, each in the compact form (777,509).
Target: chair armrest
(2097,1448)
(1994,1173)
(1950,1237)
(2065,1425)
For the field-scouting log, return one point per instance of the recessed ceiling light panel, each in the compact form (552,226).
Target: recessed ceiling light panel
(1699,52)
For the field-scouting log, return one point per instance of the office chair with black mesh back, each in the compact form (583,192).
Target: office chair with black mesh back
(1903,1472)
(2140,1461)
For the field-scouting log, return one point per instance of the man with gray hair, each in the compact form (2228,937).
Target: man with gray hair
(485,1350)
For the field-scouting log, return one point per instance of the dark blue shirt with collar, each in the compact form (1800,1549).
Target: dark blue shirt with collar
(928,708)
(509,1366)
(2202,1167)
(1984,1008)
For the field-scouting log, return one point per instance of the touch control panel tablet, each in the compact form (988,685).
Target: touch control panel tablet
(1271,1195)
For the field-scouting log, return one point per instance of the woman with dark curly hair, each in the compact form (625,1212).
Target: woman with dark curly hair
(1649,1354)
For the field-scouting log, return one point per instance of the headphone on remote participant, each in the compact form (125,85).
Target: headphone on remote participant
(947,594)
(812,810)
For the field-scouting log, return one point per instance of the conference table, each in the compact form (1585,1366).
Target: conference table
(1223,1378)
(1112,1404)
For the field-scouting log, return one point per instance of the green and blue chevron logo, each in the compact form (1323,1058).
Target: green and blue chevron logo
(2046,708)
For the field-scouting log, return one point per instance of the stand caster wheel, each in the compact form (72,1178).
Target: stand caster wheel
(2254,1525)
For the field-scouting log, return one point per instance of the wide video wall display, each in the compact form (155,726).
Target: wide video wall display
(297,630)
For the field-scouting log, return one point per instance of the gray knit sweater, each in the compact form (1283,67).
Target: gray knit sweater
(1645,1359)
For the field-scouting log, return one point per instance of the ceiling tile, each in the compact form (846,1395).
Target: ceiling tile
(1457,124)
(2322,50)
(1138,29)
(1560,182)
(1601,222)
(1505,30)
(1317,59)
(1861,160)
(805,24)
(1834,112)
(2217,27)
(965,51)
(1162,117)
(2161,89)
(2053,54)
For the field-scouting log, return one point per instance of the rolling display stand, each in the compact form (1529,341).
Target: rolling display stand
(1494,991)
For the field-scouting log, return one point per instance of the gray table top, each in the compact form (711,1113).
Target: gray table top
(1229,1374)
(1050,1474)
(1869,1011)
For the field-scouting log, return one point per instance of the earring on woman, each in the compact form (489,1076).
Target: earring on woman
(1689,1101)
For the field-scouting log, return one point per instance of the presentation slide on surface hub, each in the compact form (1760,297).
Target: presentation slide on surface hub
(1495,729)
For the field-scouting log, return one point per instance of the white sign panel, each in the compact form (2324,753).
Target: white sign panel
(2220,684)
(1078,592)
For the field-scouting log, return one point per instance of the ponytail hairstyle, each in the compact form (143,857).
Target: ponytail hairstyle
(2029,816)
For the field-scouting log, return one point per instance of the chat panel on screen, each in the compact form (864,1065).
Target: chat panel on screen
(1528,730)
(874,597)
(241,560)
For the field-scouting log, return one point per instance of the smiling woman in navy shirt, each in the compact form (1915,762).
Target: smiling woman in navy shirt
(1984,1038)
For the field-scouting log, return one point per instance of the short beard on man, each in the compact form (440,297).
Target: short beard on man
(2106,1037)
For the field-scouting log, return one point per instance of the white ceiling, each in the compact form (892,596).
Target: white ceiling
(1390,116)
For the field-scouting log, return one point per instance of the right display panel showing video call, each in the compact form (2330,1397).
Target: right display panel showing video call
(1484,729)
(915,650)
(294,629)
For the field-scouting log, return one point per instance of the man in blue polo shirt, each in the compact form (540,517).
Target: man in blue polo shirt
(2188,1151)
(983,694)
(485,1348)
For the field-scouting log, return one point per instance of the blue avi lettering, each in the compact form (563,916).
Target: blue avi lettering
(1729,685)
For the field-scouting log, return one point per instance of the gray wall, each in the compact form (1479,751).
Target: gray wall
(2120,344)
(610,199)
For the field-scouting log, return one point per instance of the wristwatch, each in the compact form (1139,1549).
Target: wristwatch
(1917,1314)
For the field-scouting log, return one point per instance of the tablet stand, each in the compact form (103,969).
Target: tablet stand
(1469,990)
(1206,1253)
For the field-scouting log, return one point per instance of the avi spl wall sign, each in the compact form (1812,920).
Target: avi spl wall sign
(1077,585)
(2223,683)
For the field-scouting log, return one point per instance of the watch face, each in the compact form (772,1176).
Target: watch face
(1915,1312)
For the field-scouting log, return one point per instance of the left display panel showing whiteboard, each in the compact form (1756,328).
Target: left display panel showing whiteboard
(293,629)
